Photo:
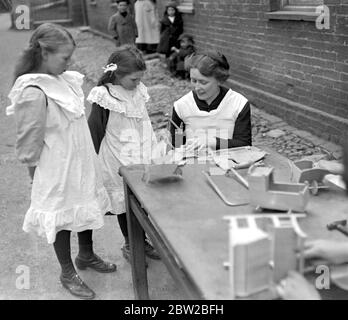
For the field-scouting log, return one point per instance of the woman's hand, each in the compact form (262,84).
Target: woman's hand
(296,287)
(335,252)
(201,142)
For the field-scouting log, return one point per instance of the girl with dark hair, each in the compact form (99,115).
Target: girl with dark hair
(212,115)
(172,27)
(121,128)
(54,142)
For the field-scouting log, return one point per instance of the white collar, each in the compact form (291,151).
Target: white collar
(117,99)
(64,89)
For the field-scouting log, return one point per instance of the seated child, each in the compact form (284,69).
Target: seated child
(176,59)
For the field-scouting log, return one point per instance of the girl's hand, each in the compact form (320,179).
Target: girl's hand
(335,252)
(296,287)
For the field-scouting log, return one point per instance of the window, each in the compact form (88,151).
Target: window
(185,6)
(305,10)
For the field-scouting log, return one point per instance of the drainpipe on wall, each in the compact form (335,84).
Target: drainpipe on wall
(84,13)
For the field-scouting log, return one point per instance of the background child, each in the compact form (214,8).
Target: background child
(176,60)
(171,28)
(54,142)
(146,18)
(122,24)
(121,128)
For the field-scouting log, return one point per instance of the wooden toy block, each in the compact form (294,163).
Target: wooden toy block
(287,246)
(249,258)
(266,193)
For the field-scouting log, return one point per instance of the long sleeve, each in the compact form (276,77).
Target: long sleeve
(174,129)
(135,27)
(242,131)
(112,27)
(30,117)
(97,122)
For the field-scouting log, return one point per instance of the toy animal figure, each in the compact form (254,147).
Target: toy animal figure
(287,245)
(265,193)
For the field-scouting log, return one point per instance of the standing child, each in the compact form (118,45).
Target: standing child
(121,128)
(54,142)
(177,58)
(146,18)
(122,24)
(171,28)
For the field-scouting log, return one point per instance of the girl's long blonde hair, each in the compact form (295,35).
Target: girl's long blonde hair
(47,36)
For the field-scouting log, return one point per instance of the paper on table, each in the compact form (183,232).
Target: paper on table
(246,155)
(335,181)
(238,155)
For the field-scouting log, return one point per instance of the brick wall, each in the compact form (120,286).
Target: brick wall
(289,68)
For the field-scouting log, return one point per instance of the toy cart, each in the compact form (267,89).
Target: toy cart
(304,171)
(267,194)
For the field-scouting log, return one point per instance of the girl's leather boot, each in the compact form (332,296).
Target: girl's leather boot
(74,284)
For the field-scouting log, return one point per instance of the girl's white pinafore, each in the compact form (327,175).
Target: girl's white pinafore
(129,136)
(67,191)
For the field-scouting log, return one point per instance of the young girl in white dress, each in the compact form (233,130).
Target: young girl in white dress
(53,140)
(121,128)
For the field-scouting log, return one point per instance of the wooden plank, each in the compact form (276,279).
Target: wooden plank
(136,242)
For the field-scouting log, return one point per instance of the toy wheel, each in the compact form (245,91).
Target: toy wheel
(314,188)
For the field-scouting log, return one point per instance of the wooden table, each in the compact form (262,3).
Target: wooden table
(184,221)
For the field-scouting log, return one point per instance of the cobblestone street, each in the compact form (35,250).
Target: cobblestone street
(92,54)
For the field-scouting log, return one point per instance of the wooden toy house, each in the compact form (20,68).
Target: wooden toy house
(260,259)
(250,255)
(287,245)
(265,193)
